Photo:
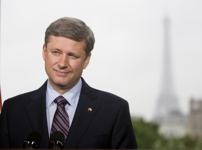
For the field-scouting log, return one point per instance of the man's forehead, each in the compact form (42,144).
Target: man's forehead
(60,42)
(63,37)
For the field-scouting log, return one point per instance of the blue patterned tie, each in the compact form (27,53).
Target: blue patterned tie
(61,118)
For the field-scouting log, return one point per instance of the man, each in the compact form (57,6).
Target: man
(91,118)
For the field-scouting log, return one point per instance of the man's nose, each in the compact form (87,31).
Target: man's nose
(63,62)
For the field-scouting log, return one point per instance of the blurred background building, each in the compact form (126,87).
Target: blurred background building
(195,118)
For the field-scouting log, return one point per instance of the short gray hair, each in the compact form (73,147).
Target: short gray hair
(71,28)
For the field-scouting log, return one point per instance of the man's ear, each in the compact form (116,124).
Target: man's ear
(87,61)
(44,51)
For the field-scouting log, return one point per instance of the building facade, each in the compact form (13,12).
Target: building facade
(195,118)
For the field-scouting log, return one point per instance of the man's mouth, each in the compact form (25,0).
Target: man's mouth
(62,73)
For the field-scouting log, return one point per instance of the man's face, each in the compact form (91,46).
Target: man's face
(65,60)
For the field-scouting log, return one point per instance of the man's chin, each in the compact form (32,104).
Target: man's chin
(59,83)
(62,85)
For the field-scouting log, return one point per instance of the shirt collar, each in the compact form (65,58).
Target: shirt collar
(72,96)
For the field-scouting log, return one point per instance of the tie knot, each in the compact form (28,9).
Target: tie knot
(60,100)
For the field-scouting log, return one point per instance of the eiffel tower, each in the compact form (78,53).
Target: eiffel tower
(167,104)
(172,123)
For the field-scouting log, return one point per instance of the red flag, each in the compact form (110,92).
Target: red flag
(0,101)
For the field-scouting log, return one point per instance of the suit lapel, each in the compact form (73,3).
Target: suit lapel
(36,110)
(85,112)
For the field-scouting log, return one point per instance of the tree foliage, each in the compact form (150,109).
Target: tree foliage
(148,138)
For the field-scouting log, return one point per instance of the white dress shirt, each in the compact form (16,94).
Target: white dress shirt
(72,96)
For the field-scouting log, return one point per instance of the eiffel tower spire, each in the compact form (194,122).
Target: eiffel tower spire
(167,103)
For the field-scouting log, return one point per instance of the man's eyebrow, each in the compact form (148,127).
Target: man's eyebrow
(56,49)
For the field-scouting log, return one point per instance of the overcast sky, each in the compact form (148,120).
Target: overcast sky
(128,54)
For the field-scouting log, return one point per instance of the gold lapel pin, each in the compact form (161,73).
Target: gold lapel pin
(90,109)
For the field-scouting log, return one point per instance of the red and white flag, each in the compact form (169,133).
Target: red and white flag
(0,102)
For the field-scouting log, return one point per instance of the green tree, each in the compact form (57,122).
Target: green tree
(148,138)
(146,133)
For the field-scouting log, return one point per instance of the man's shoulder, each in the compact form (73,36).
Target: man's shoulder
(102,95)
(19,99)
(24,97)
(109,99)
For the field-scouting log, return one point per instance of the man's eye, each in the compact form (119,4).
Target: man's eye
(72,55)
(55,52)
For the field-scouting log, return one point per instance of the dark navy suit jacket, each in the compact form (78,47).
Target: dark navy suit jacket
(107,126)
